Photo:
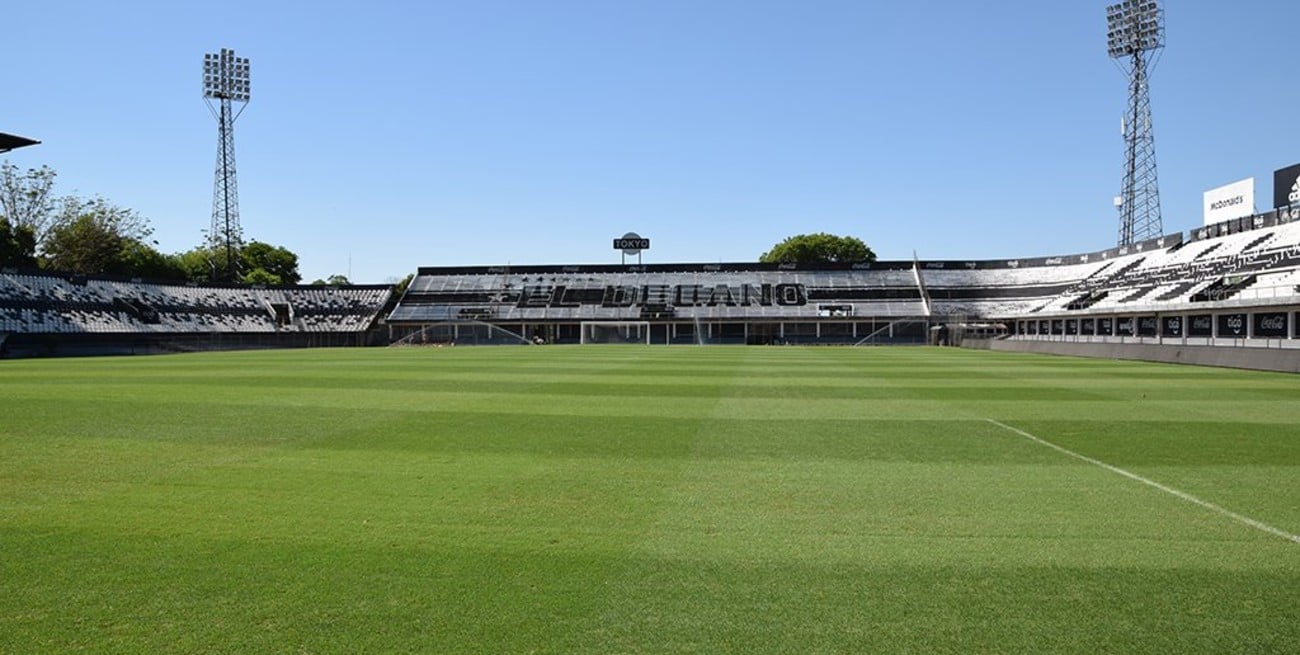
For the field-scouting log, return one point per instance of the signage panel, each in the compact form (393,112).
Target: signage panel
(1124,327)
(1229,201)
(1146,326)
(1286,186)
(1232,326)
(631,244)
(1270,325)
(1171,326)
(1106,327)
(1088,326)
(1200,325)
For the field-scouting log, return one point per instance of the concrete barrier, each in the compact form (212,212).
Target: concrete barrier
(1259,359)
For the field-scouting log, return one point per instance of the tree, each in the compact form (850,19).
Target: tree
(400,286)
(17,245)
(143,260)
(819,248)
(96,237)
(84,245)
(335,280)
(259,262)
(260,276)
(201,265)
(26,200)
(267,264)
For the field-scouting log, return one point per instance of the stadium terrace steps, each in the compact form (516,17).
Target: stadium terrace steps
(1175,291)
(47,304)
(1224,288)
(1146,275)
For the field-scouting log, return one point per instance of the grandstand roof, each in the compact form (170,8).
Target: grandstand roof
(9,142)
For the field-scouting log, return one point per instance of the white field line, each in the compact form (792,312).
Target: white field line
(1258,525)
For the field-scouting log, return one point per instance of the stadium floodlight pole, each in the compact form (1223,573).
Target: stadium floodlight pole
(1134,39)
(226,81)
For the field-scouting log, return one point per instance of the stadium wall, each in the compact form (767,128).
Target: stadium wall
(1259,359)
(19,346)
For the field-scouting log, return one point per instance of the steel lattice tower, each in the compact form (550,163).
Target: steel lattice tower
(225,80)
(1135,38)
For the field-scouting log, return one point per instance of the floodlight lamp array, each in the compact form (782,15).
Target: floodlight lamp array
(225,76)
(1134,27)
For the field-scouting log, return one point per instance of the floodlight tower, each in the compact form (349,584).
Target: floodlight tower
(226,81)
(1135,36)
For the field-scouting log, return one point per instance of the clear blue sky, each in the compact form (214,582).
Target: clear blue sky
(400,134)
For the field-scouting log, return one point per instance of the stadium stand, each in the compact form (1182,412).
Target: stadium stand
(35,305)
(1235,283)
(1242,268)
(1210,270)
(1232,284)
(687,303)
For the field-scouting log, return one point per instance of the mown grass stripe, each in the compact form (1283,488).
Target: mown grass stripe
(1258,525)
(642,500)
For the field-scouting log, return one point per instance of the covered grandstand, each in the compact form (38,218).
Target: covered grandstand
(1235,283)
(677,303)
(1239,277)
(44,314)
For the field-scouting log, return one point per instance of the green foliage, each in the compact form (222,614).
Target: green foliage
(142,260)
(335,280)
(400,286)
(643,500)
(819,248)
(97,237)
(72,234)
(84,245)
(260,276)
(259,262)
(201,265)
(267,264)
(17,245)
(26,199)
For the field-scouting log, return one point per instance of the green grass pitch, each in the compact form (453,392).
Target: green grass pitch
(629,499)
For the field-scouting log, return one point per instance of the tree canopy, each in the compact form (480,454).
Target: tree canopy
(17,245)
(400,286)
(335,280)
(26,200)
(819,248)
(97,237)
(259,263)
(264,263)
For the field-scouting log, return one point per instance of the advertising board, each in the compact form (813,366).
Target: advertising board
(1229,201)
(1200,325)
(1270,325)
(1232,326)
(1171,326)
(1286,186)
(1146,326)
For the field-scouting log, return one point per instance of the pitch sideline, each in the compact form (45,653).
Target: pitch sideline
(1258,525)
